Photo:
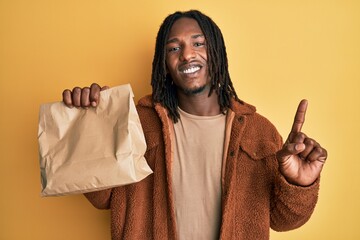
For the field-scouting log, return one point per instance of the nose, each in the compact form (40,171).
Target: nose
(187,53)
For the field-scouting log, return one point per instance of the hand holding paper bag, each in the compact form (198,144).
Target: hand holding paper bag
(83,97)
(89,150)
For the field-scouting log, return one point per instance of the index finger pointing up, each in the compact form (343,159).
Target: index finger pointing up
(299,117)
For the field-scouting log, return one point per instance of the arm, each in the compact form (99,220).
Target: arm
(100,199)
(291,205)
(296,188)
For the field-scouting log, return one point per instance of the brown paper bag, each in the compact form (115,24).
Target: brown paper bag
(84,150)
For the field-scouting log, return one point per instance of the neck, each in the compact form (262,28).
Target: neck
(200,104)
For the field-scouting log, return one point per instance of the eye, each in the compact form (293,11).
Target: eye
(173,49)
(199,44)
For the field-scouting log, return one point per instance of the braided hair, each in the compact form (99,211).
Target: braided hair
(164,91)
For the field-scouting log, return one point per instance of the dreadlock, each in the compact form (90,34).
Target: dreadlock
(164,92)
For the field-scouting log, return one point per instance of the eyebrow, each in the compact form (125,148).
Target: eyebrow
(174,40)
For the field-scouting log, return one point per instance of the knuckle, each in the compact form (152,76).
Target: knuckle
(290,148)
(325,152)
(66,93)
(321,151)
(67,97)
(303,135)
(95,86)
(105,88)
(86,90)
(76,89)
(299,137)
(310,141)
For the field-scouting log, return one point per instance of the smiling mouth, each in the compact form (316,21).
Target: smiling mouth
(191,70)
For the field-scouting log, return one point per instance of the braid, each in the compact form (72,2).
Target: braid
(164,91)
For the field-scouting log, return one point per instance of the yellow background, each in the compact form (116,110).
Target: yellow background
(279,52)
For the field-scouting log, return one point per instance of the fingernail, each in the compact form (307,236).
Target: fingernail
(299,147)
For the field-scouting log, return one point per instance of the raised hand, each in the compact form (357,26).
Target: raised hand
(301,159)
(83,97)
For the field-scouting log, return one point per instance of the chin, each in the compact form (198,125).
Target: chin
(194,90)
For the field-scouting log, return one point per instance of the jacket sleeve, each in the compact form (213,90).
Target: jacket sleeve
(291,205)
(100,199)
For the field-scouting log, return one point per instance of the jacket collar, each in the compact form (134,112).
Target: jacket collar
(239,107)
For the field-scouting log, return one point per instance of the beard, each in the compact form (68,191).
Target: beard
(193,91)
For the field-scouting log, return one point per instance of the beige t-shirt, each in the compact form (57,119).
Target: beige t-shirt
(198,152)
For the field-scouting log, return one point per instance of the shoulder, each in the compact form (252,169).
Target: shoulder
(254,121)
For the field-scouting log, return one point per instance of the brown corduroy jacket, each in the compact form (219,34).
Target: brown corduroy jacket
(255,196)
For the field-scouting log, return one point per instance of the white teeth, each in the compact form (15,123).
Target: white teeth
(191,70)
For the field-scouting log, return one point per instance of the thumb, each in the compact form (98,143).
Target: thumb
(289,150)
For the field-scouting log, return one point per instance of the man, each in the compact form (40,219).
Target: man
(221,170)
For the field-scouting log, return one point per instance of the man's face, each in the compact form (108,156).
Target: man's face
(186,57)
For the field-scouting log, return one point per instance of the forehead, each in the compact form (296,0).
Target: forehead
(184,26)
